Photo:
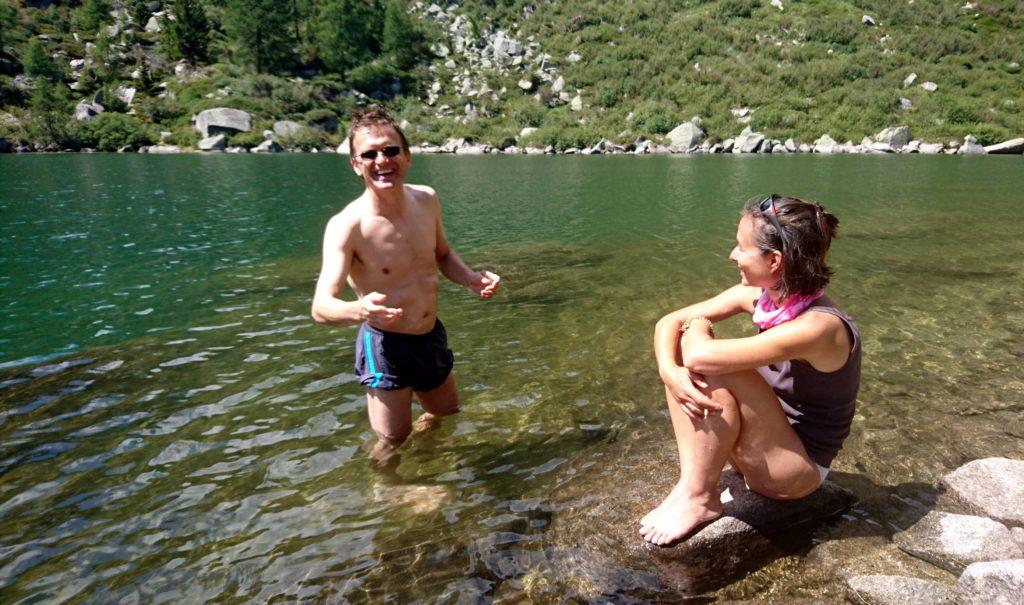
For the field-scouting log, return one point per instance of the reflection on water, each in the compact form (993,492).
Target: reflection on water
(174,427)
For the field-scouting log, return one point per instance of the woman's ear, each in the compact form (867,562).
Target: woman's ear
(775,261)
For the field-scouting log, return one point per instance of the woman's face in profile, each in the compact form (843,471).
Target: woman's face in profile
(757,267)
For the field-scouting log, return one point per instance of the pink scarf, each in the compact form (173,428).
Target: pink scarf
(767,315)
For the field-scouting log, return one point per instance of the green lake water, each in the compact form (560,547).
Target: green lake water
(173,426)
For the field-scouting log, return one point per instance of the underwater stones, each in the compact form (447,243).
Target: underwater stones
(993,487)
(991,583)
(745,530)
(954,541)
(897,590)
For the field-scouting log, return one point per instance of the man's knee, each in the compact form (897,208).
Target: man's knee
(394,437)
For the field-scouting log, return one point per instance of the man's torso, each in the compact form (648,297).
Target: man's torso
(396,255)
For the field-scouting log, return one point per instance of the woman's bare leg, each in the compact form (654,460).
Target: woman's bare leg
(704,446)
(753,432)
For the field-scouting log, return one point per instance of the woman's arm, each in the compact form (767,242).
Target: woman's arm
(681,383)
(814,337)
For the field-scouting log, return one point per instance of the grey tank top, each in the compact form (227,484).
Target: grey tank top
(819,405)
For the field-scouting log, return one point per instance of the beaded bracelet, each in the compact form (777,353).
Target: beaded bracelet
(686,325)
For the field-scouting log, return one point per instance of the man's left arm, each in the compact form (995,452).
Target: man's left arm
(452,266)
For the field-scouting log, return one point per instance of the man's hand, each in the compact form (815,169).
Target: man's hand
(685,387)
(485,283)
(374,310)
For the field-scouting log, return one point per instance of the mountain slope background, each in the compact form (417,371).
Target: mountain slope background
(573,71)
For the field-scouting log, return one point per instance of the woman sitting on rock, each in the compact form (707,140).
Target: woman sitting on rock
(777,405)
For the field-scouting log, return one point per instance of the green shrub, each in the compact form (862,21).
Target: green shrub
(110,131)
(306,138)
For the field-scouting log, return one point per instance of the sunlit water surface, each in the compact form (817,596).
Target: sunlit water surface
(174,428)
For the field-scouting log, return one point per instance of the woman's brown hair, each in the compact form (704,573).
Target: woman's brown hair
(802,232)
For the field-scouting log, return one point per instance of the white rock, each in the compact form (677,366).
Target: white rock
(826,144)
(685,135)
(153,26)
(777,4)
(558,85)
(525,132)
(992,583)
(929,86)
(910,79)
(576,104)
(971,147)
(1011,146)
(216,142)
(525,84)
(955,541)
(867,20)
(574,57)
(993,487)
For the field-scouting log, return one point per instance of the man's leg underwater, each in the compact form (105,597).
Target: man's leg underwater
(391,418)
(437,403)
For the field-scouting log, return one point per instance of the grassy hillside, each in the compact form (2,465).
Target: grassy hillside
(641,67)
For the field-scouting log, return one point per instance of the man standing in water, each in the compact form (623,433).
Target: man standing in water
(388,245)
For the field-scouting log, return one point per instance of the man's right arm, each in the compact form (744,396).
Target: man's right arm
(328,308)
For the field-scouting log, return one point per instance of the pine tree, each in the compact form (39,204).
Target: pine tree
(401,41)
(38,63)
(187,36)
(49,112)
(348,33)
(93,14)
(8,22)
(262,32)
(140,13)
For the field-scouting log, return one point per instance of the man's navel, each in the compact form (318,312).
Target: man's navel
(387,271)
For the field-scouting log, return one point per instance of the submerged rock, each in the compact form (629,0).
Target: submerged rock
(743,534)
(993,487)
(955,541)
(898,590)
(992,583)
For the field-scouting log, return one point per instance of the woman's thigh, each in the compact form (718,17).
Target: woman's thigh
(768,451)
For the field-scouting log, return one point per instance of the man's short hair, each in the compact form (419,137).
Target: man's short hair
(369,117)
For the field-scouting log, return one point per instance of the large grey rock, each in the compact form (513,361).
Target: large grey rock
(994,583)
(505,47)
(268,146)
(748,141)
(126,94)
(576,104)
(1011,146)
(826,144)
(686,135)
(215,143)
(161,149)
(558,85)
(746,531)
(970,147)
(932,148)
(286,128)
(955,541)
(153,25)
(897,590)
(223,120)
(894,136)
(993,487)
(86,110)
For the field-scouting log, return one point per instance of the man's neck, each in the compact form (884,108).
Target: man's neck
(388,202)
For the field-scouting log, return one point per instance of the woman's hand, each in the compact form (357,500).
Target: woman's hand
(687,388)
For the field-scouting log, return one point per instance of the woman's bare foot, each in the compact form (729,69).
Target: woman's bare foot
(680,514)
(646,520)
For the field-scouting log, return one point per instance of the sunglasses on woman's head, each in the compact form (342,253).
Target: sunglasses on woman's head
(389,152)
(767,208)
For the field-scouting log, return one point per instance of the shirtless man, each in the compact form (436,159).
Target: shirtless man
(388,245)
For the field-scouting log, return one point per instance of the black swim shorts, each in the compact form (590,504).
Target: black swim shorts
(389,360)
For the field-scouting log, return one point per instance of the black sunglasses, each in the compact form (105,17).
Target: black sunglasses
(767,208)
(389,152)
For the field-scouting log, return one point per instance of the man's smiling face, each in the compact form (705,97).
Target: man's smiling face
(373,157)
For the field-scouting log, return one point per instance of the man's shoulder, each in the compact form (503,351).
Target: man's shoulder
(344,221)
(422,192)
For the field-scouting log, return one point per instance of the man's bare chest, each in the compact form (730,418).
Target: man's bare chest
(395,246)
